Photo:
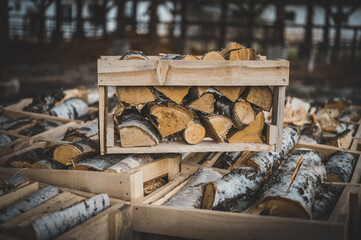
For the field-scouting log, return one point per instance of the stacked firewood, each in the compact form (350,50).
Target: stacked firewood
(147,115)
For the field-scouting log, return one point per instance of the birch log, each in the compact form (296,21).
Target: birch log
(54,224)
(341,140)
(172,57)
(5,140)
(325,202)
(27,159)
(11,183)
(348,115)
(128,163)
(86,130)
(194,133)
(190,196)
(71,109)
(292,189)
(227,159)
(48,163)
(312,132)
(28,202)
(98,163)
(14,124)
(65,152)
(235,191)
(340,166)
(134,55)
(40,128)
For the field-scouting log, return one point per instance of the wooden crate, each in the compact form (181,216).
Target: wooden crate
(155,72)
(149,216)
(112,223)
(127,185)
(192,162)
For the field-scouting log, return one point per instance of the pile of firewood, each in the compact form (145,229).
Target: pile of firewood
(147,115)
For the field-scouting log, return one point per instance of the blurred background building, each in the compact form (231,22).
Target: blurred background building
(58,41)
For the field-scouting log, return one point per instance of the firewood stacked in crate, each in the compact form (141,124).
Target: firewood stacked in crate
(190,103)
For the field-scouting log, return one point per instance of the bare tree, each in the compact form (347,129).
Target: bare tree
(120,17)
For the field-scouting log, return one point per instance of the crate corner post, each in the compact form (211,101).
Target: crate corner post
(279,95)
(103,114)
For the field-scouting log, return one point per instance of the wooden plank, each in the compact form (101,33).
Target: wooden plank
(356,176)
(204,146)
(56,133)
(122,222)
(103,111)
(152,169)
(277,113)
(11,114)
(196,157)
(354,213)
(17,194)
(325,149)
(193,73)
(4,159)
(271,134)
(208,224)
(356,140)
(19,105)
(110,131)
(174,162)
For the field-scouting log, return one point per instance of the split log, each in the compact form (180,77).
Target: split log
(176,94)
(48,163)
(338,103)
(348,115)
(65,153)
(328,123)
(129,162)
(227,159)
(250,134)
(40,128)
(213,55)
(295,111)
(27,159)
(230,47)
(341,140)
(259,96)
(5,140)
(135,95)
(28,202)
(54,224)
(172,57)
(217,126)
(235,191)
(136,131)
(86,130)
(44,102)
(204,104)
(12,183)
(325,202)
(14,124)
(339,167)
(241,54)
(189,57)
(190,196)
(71,109)
(194,133)
(292,189)
(170,118)
(97,163)
(154,184)
(312,132)
(232,93)
(134,55)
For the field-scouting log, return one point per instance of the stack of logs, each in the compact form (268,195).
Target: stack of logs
(147,115)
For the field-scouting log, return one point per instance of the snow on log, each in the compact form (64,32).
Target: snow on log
(86,130)
(135,130)
(259,96)
(40,128)
(65,152)
(28,202)
(5,140)
(135,95)
(339,167)
(11,183)
(71,109)
(54,224)
(27,159)
(190,196)
(235,191)
(48,163)
(292,189)
(129,162)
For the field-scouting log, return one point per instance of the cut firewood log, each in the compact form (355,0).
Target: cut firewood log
(72,109)
(341,140)
(213,55)
(189,57)
(135,130)
(86,130)
(231,47)
(28,202)
(134,55)
(66,153)
(42,103)
(97,163)
(11,183)
(266,162)
(129,162)
(339,167)
(325,202)
(259,96)
(40,128)
(232,93)
(48,163)
(241,54)
(135,95)
(217,126)
(295,111)
(235,191)
(51,225)
(5,140)
(194,133)
(349,114)
(14,124)
(154,184)
(239,162)
(328,123)
(204,104)
(292,189)
(27,159)
(172,57)
(170,118)
(338,103)
(250,134)
(312,132)
(175,94)
(197,92)
(190,196)
(227,159)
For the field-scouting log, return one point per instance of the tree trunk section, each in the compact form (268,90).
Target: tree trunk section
(259,96)
(217,126)
(48,164)
(339,167)
(66,153)
(71,109)
(128,163)
(194,133)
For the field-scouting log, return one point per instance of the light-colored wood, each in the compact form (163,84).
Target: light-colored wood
(204,146)
(103,112)
(4,159)
(354,213)
(110,131)
(271,134)
(194,73)
(11,114)
(277,113)
(17,194)
(55,133)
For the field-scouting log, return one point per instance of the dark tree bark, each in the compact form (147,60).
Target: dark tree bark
(280,22)
(120,18)
(250,23)
(58,34)
(79,19)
